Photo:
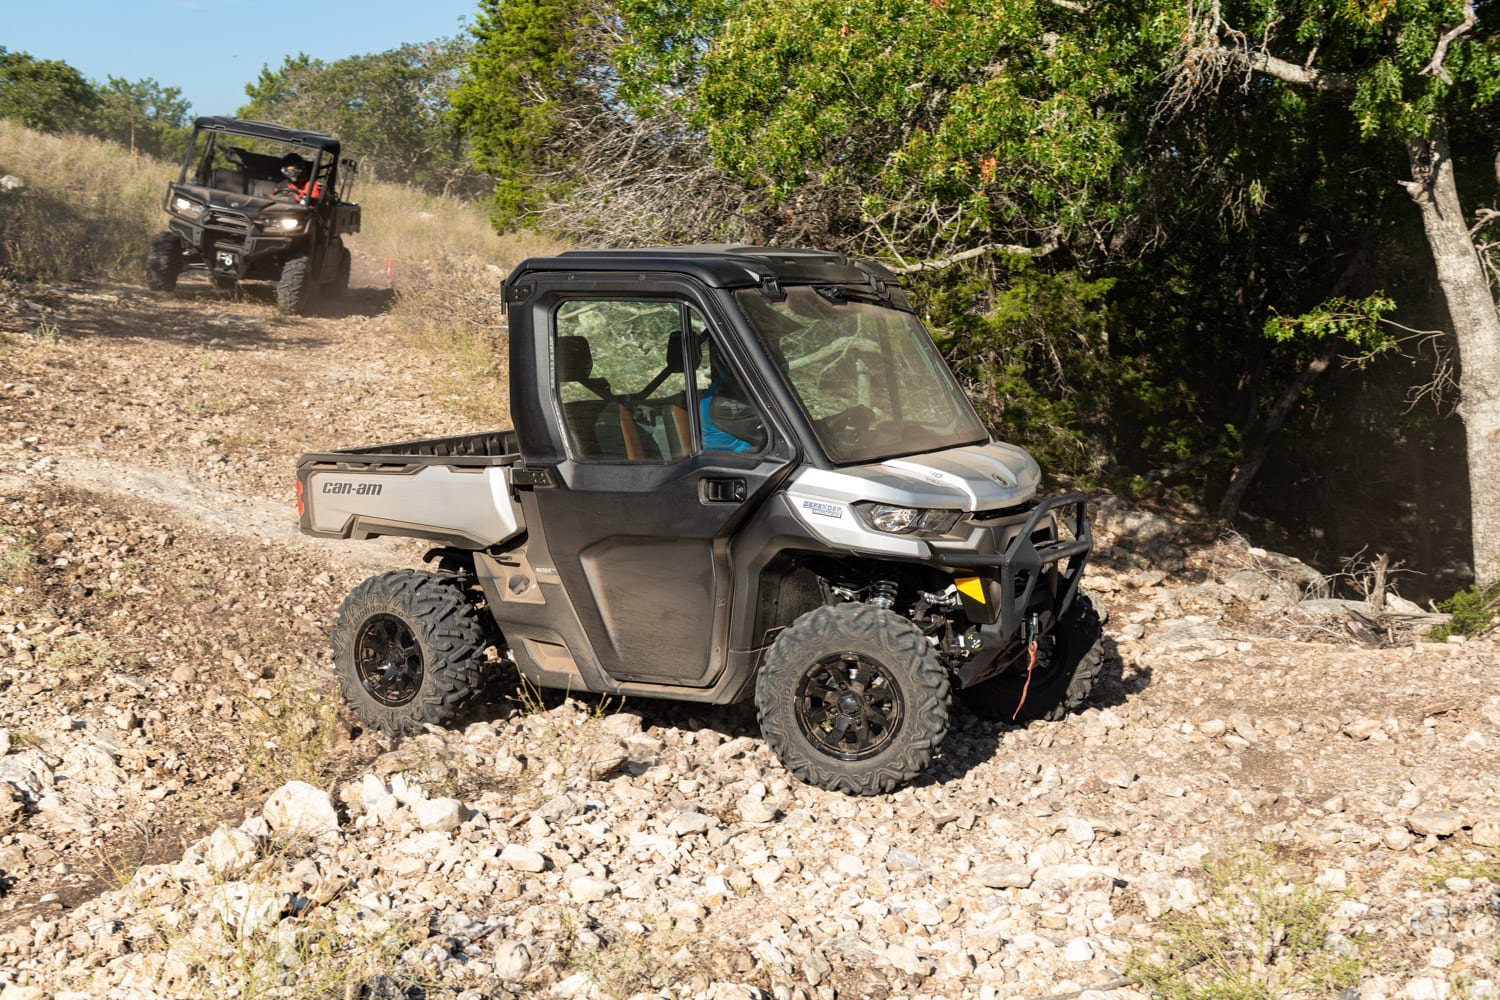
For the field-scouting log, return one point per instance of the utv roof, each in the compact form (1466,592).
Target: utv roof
(267,130)
(721,266)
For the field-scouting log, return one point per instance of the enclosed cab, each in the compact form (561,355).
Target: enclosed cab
(257,201)
(735,473)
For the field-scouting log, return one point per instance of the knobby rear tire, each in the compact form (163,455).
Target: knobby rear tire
(163,262)
(343,264)
(408,651)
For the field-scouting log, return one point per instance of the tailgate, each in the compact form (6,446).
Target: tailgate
(463,505)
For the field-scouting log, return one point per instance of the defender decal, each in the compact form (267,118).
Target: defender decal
(822,509)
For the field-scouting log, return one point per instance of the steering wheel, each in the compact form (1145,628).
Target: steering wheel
(857,418)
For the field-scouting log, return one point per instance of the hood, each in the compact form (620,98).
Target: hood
(242,204)
(974,477)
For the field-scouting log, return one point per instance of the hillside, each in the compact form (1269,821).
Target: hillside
(167,716)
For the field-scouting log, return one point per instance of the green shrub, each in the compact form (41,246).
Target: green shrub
(1262,932)
(1474,611)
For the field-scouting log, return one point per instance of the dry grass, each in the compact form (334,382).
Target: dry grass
(446,264)
(87,211)
(1263,932)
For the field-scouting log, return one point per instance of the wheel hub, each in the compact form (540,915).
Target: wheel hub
(388,660)
(849,706)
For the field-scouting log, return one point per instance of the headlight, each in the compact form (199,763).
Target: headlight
(285,224)
(904,520)
(188,207)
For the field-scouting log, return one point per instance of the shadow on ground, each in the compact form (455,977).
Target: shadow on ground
(971,741)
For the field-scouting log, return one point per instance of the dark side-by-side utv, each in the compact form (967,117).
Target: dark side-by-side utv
(257,201)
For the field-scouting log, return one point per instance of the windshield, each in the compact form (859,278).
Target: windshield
(239,164)
(868,376)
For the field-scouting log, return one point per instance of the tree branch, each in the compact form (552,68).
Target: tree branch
(1484,217)
(1255,456)
(942,262)
(1323,81)
(1435,67)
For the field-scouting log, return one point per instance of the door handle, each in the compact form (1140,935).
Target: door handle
(718,490)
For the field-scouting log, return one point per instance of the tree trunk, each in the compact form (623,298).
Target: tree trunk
(1476,325)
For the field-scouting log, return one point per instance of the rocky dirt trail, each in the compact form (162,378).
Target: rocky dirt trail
(186,810)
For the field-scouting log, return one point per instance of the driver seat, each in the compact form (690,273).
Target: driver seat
(596,428)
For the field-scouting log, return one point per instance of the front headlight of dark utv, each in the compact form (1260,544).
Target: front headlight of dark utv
(284,224)
(908,520)
(188,207)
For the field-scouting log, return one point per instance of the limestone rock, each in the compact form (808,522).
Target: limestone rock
(1435,822)
(298,809)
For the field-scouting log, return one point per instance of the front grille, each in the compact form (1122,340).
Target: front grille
(230,223)
(1003,513)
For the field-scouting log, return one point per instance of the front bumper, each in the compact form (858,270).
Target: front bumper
(1032,574)
(232,251)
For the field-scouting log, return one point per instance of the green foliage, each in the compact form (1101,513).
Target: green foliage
(660,50)
(44,94)
(524,71)
(1475,610)
(1031,347)
(1263,932)
(51,96)
(951,123)
(143,115)
(1354,321)
(390,110)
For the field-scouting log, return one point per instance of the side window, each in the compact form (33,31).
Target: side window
(619,376)
(727,420)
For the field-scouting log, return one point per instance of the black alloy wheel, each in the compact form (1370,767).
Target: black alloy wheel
(849,706)
(388,660)
(852,698)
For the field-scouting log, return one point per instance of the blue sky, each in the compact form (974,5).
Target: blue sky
(209,49)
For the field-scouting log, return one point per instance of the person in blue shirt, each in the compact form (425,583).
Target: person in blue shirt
(729,423)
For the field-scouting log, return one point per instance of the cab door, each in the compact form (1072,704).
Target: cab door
(666,450)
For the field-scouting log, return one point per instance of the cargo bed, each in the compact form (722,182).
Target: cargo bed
(452,490)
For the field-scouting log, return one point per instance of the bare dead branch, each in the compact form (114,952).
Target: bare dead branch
(1435,67)
(1322,81)
(1212,48)
(1441,389)
(1483,218)
(970,254)
(1186,465)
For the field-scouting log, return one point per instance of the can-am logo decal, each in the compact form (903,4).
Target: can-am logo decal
(822,509)
(354,489)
